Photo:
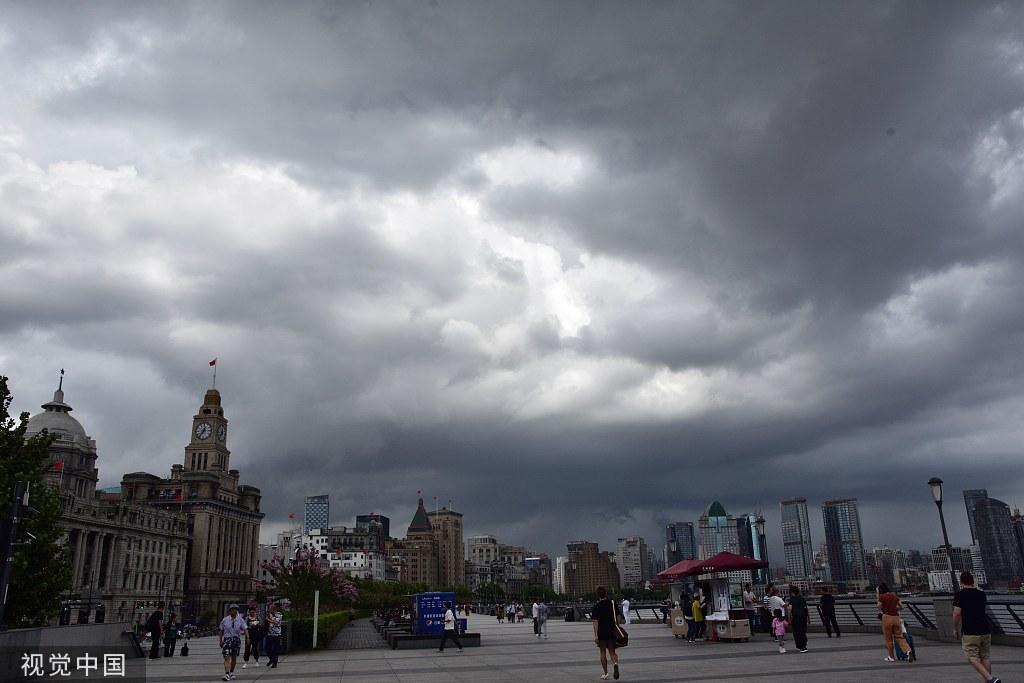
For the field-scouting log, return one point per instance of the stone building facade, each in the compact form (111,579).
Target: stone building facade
(125,556)
(451,557)
(418,552)
(223,516)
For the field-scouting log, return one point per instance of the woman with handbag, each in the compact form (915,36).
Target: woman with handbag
(608,634)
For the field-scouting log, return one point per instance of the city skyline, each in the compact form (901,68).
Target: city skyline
(581,268)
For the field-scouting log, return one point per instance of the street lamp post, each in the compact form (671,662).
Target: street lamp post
(936,485)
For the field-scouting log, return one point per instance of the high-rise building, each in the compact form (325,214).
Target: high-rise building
(843,541)
(718,532)
(558,579)
(680,543)
(631,558)
(994,531)
(451,559)
(796,538)
(364,521)
(587,567)
(418,552)
(888,565)
(971,498)
(1017,524)
(316,513)
(752,544)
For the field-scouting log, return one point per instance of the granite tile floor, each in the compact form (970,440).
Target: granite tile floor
(510,652)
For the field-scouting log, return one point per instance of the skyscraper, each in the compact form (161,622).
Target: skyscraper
(751,544)
(631,557)
(843,541)
(316,513)
(718,532)
(586,568)
(680,543)
(971,497)
(365,521)
(796,538)
(994,530)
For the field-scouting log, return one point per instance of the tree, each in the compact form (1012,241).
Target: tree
(41,569)
(490,592)
(299,579)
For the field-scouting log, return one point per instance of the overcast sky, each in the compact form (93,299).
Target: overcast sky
(582,267)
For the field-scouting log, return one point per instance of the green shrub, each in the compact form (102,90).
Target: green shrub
(330,624)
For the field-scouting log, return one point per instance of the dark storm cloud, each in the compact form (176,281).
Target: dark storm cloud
(580,267)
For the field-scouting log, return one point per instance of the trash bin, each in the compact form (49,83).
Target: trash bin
(570,614)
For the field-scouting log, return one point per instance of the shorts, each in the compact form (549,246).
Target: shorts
(232,646)
(977,647)
(607,644)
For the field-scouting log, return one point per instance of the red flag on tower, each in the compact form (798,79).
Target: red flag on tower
(58,466)
(213,362)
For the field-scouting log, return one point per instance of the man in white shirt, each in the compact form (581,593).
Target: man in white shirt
(625,611)
(536,629)
(450,627)
(231,629)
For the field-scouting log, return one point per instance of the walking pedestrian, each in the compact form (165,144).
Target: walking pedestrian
(542,619)
(971,622)
(536,625)
(170,635)
(274,619)
(909,637)
(232,627)
(604,618)
(625,611)
(499,610)
(798,618)
(520,614)
(252,644)
(686,607)
(779,631)
(451,628)
(154,624)
(889,604)
(827,606)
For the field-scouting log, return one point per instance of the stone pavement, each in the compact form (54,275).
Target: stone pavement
(510,652)
(359,635)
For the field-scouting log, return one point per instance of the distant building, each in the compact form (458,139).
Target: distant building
(558,579)
(718,532)
(451,559)
(539,570)
(632,559)
(994,531)
(971,498)
(587,567)
(418,552)
(680,543)
(752,544)
(316,513)
(796,538)
(482,549)
(364,521)
(843,541)
(888,565)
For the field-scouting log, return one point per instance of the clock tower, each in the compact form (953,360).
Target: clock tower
(207,450)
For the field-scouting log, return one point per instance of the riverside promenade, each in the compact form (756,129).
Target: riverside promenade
(510,652)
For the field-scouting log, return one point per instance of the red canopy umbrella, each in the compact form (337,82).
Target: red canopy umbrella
(722,562)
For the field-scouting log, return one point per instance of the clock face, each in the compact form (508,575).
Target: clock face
(203,430)
(222,432)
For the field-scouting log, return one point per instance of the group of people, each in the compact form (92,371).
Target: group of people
(162,632)
(513,611)
(261,633)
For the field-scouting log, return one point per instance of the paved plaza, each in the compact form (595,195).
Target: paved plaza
(513,653)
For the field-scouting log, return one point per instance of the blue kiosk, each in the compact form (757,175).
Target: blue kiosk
(428,623)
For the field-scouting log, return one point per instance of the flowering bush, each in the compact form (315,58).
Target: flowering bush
(297,580)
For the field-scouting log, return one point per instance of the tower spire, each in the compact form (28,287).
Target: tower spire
(60,385)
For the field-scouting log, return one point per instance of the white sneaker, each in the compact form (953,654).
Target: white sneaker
(604,677)
(245,665)
(782,650)
(256,663)
(888,659)
(227,677)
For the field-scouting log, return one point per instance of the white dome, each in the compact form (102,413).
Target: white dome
(56,420)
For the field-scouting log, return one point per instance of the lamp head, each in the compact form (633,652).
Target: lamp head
(936,484)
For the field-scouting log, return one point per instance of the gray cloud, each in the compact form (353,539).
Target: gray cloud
(581,268)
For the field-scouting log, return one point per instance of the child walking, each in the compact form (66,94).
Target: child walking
(779,629)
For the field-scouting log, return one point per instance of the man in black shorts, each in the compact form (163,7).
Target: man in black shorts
(604,619)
